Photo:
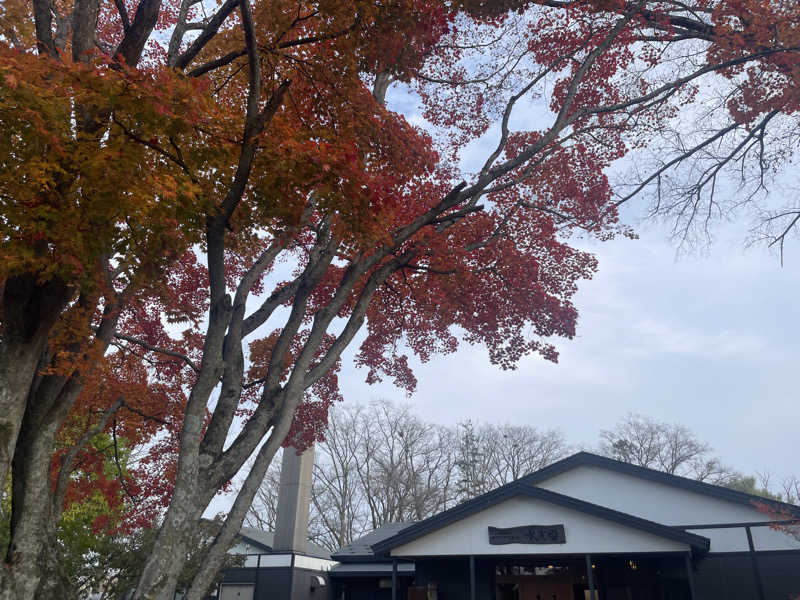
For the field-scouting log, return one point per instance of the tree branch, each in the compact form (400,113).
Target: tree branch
(123,15)
(157,349)
(214,23)
(217,63)
(68,459)
(43,24)
(132,45)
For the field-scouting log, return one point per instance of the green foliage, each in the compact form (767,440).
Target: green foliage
(82,543)
(83,536)
(124,557)
(100,559)
(748,485)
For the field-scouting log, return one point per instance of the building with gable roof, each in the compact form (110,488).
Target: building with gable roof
(586,527)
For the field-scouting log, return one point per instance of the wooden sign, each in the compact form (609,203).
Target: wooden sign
(528,534)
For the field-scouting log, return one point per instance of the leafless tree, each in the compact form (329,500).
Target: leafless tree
(263,512)
(406,464)
(521,449)
(668,447)
(378,464)
(381,463)
(491,455)
(790,489)
(337,497)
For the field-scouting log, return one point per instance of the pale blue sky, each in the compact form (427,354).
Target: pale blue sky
(707,339)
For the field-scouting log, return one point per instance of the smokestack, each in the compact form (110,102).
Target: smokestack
(294,497)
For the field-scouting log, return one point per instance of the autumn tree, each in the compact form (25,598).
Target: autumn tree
(221,196)
(725,159)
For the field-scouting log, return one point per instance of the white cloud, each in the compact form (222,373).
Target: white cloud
(709,341)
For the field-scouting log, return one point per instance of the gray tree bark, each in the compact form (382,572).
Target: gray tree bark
(30,310)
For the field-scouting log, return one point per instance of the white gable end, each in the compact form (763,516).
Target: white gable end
(659,502)
(584,533)
(669,505)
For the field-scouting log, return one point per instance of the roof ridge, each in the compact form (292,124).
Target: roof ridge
(589,458)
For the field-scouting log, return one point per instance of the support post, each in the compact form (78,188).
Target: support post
(690,575)
(291,578)
(258,572)
(590,577)
(472,585)
(394,579)
(756,569)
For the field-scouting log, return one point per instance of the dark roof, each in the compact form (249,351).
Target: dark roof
(372,569)
(700,487)
(265,540)
(521,487)
(361,549)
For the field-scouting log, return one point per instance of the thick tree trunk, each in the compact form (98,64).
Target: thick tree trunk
(215,556)
(17,367)
(33,515)
(29,311)
(54,583)
(192,493)
(170,552)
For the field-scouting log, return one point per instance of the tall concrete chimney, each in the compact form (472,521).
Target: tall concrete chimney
(294,497)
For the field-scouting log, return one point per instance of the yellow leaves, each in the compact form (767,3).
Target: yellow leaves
(165,187)
(73,181)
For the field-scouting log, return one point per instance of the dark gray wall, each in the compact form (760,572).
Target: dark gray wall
(368,588)
(451,576)
(780,575)
(725,578)
(301,587)
(280,583)
(732,577)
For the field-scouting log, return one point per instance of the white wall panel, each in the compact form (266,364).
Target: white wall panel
(242,548)
(765,538)
(311,562)
(659,502)
(725,540)
(584,533)
(236,592)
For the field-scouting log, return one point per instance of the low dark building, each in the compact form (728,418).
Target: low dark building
(585,527)
(267,573)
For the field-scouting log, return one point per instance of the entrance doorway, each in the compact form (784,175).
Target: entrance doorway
(236,591)
(540,582)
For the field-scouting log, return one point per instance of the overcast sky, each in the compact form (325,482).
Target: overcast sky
(707,339)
